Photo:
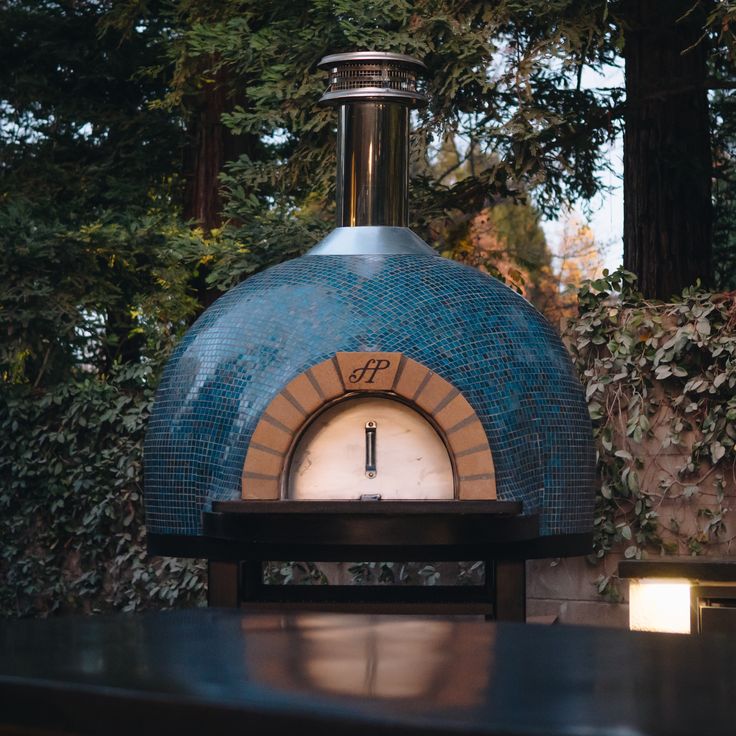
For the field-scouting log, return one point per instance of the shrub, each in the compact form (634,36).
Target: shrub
(71,513)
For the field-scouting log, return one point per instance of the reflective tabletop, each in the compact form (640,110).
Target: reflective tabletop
(211,671)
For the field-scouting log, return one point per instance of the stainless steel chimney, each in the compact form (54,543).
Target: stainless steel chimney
(373,92)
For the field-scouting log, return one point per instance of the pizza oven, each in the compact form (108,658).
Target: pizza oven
(370,400)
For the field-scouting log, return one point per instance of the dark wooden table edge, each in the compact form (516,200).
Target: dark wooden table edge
(71,709)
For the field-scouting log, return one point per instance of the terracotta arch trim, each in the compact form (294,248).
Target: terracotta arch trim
(361,372)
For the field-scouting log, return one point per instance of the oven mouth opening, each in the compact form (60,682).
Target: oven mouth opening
(371,485)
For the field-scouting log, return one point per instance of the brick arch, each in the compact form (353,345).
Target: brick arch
(351,374)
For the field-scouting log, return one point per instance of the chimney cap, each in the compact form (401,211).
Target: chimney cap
(374,75)
(377,56)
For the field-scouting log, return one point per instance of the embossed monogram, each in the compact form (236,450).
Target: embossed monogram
(367,372)
(364,371)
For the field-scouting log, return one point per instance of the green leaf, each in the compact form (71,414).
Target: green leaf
(717,451)
(703,327)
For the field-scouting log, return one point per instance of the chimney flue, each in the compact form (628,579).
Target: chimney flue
(373,92)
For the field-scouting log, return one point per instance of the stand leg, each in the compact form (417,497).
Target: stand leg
(252,580)
(223,584)
(510,590)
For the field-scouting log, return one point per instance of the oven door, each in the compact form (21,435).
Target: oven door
(374,448)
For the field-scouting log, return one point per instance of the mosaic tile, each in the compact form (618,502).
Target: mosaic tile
(469,328)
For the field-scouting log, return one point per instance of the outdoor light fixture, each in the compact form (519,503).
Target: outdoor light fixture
(681,595)
(659,605)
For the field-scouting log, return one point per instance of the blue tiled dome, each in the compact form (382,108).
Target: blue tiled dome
(466,326)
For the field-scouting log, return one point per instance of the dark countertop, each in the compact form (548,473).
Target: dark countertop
(213,671)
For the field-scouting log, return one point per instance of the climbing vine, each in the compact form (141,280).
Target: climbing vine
(660,382)
(71,511)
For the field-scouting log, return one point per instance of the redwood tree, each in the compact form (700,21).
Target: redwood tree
(667,152)
(211,146)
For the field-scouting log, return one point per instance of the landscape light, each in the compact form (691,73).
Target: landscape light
(659,604)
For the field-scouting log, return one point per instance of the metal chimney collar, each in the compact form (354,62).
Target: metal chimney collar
(374,75)
(381,240)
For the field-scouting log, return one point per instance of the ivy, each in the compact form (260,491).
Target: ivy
(659,379)
(71,513)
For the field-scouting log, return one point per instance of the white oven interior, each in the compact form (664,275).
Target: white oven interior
(370,447)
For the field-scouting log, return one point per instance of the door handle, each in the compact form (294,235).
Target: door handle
(370,449)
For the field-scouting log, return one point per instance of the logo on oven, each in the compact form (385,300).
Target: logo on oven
(367,373)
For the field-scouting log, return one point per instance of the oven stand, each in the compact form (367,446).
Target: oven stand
(251,532)
(501,597)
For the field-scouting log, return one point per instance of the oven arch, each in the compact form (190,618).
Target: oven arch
(344,375)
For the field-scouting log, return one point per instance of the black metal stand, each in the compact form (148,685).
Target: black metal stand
(371,532)
(501,597)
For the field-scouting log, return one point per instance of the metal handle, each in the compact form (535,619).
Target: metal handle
(370,449)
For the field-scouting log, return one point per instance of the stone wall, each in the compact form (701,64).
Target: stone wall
(565,591)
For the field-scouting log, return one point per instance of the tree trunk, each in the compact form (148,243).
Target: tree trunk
(667,156)
(211,146)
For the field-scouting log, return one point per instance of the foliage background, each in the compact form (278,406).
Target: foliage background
(660,381)
(153,154)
